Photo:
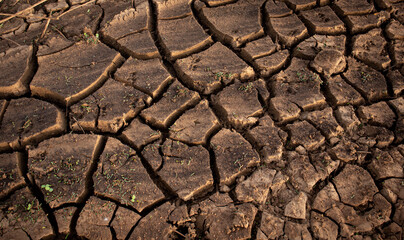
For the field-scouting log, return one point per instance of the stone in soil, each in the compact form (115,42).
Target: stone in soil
(303,133)
(325,122)
(309,48)
(255,189)
(355,185)
(191,126)
(289,30)
(369,82)
(370,48)
(362,23)
(323,20)
(341,93)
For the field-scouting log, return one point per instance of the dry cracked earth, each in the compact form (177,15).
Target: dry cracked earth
(205,119)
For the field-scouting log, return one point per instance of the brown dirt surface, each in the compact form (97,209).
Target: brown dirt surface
(202,119)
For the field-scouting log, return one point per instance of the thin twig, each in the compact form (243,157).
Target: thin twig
(44,30)
(18,13)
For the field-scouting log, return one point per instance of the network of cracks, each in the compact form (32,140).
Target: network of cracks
(202,119)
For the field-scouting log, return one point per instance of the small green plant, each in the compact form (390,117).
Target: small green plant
(246,87)
(90,38)
(364,76)
(47,187)
(304,77)
(27,124)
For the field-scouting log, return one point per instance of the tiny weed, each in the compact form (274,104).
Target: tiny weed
(364,76)
(27,124)
(246,87)
(47,187)
(304,77)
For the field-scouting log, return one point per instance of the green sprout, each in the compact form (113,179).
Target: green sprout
(47,187)
(133,198)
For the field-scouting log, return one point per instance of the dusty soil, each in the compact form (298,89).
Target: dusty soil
(207,119)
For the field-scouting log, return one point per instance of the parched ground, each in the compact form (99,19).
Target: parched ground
(207,119)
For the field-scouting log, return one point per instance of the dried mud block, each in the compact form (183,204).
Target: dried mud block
(345,151)
(397,81)
(121,224)
(329,62)
(384,166)
(393,189)
(75,23)
(395,30)
(363,23)
(25,117)
(233,153)
(326,198)
(341,93)
(56,6)
(398,51)
(300,85)
(267,136)
(299,5)
(352,221)
(398,11)
(370,48)
(276,9)
(279,181)
(398,105)
(183,162)
(12,25)
(325,122)
(175,97)
(360,7)
(378,114)
(301,172)
(289,30)
(297,231)
(323,20)
(138,132)
(138,74)
(271,226)
(139,43)
(211,68)
(240,20)
(283,110)
(322,227)
(355,186)
(77,67)
(194,124)
(240,101)
(261,47)
(383,136)
(191,33)
(272,63)
(369,82)
(229,222)
(13,62)
(399,130)
(256,188)
(393,231)
(323,164)
(53,44)
(297,207)
(154,225)
(399,213)
(309,48)
(303,133)
(127,20)
(347,118)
